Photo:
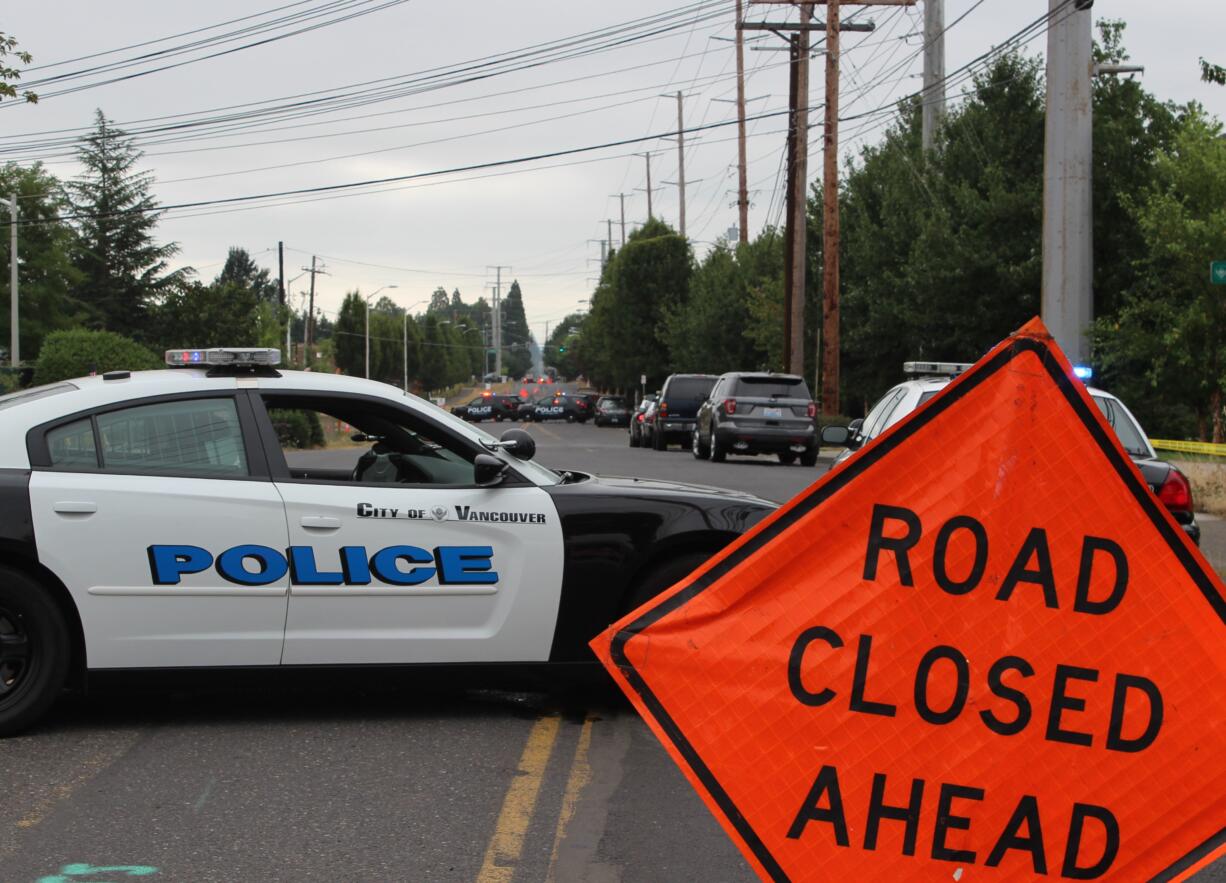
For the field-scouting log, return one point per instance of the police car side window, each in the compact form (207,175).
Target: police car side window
(877,416)
(347,440)
(72,446)
(195,437)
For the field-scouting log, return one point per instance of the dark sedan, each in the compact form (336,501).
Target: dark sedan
(612,411)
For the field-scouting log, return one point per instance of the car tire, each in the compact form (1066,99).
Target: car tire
(809,458)
(34,651)
(718,454)
(664,575)
(635,441)
(659,442)
(699,450)
(787,458)
(570,418)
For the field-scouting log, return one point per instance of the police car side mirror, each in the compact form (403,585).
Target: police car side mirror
(520,444)
(488,470)
(836,436)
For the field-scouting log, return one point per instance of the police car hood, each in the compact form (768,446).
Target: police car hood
(630,484)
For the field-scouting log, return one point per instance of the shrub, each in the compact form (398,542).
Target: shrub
(76,353)
(297,429)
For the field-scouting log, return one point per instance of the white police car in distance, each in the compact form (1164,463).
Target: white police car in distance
(227,514)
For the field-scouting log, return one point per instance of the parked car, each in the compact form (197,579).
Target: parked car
(1169,484)
(673,420)
(572,409)
(757,413)
(611,411)
(635,429)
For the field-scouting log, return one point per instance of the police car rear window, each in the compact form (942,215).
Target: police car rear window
(38,392)
(780,387)
(198,436)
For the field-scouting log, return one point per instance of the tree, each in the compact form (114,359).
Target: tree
(242,271)
(8,46)
(350,333)
(440,304)
(123,268)
(1165,349)
(1212,73)
(191,314)
(46,275)
(516,338)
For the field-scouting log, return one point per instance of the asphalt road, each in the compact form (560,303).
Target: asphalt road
(349,780)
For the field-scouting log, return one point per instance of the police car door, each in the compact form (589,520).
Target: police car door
(397,556)
(150,512)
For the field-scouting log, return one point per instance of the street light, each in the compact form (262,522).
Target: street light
(367,298)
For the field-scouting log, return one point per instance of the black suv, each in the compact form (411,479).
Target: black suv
(680,398)
(757,414)
(571,408)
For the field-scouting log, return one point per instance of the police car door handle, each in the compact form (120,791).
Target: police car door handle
(68,507)
(320,522)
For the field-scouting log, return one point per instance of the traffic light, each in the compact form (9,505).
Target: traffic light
(562,348)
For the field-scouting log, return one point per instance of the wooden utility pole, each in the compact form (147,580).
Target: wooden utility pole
(309,332)
(742,191)
(647,158)
(828,342)
(622,198)
(791,301)
(933,96)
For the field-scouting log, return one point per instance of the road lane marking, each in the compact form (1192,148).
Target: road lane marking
(549,432)
(507,842)
(580,775)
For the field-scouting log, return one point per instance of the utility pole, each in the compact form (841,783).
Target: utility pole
(680,164)
(793,302)
(609,221)
(933,96)
(1068,269)
(647,158)
(14,336)
(281,272)
(308,335)
(828,364)
(496,318)
(622,197)
(742,198)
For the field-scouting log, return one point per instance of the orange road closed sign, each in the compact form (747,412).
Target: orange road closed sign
(981,649)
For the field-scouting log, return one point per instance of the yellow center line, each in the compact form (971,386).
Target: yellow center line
(549,432)
(580,775)
(507,842)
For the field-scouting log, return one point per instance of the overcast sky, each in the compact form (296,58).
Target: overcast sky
(540,218)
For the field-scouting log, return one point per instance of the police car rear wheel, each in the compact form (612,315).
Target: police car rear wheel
(34,651)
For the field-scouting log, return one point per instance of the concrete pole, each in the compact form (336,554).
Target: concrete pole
(498,323)
(368,338)
(680,165)
(14,336)
(933,95)
(830,347)
(742,190)
(1068,243)
(406,350)
(647,157)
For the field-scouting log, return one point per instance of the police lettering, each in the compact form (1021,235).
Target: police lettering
(251,565)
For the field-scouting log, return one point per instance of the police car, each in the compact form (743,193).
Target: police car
(176,519)
(928,378)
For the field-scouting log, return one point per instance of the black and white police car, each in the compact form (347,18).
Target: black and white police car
(166,520)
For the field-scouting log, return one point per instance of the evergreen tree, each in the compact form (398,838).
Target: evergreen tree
(242,271)
(123,269)
(516,338)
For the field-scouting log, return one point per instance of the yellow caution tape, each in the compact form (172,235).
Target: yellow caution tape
(1189,447)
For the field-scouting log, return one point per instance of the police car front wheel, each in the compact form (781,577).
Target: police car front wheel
(34,651)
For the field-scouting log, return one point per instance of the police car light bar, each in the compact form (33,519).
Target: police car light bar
(935,369)
(223,356)
(1083,372)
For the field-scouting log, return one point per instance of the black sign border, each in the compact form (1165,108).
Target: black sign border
(859,464)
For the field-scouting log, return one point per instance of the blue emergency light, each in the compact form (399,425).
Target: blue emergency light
(1084,373)
(224,356)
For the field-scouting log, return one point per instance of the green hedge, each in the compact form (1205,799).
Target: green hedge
(297,429)
(77,353)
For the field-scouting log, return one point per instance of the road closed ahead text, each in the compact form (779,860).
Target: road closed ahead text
(1078,701)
